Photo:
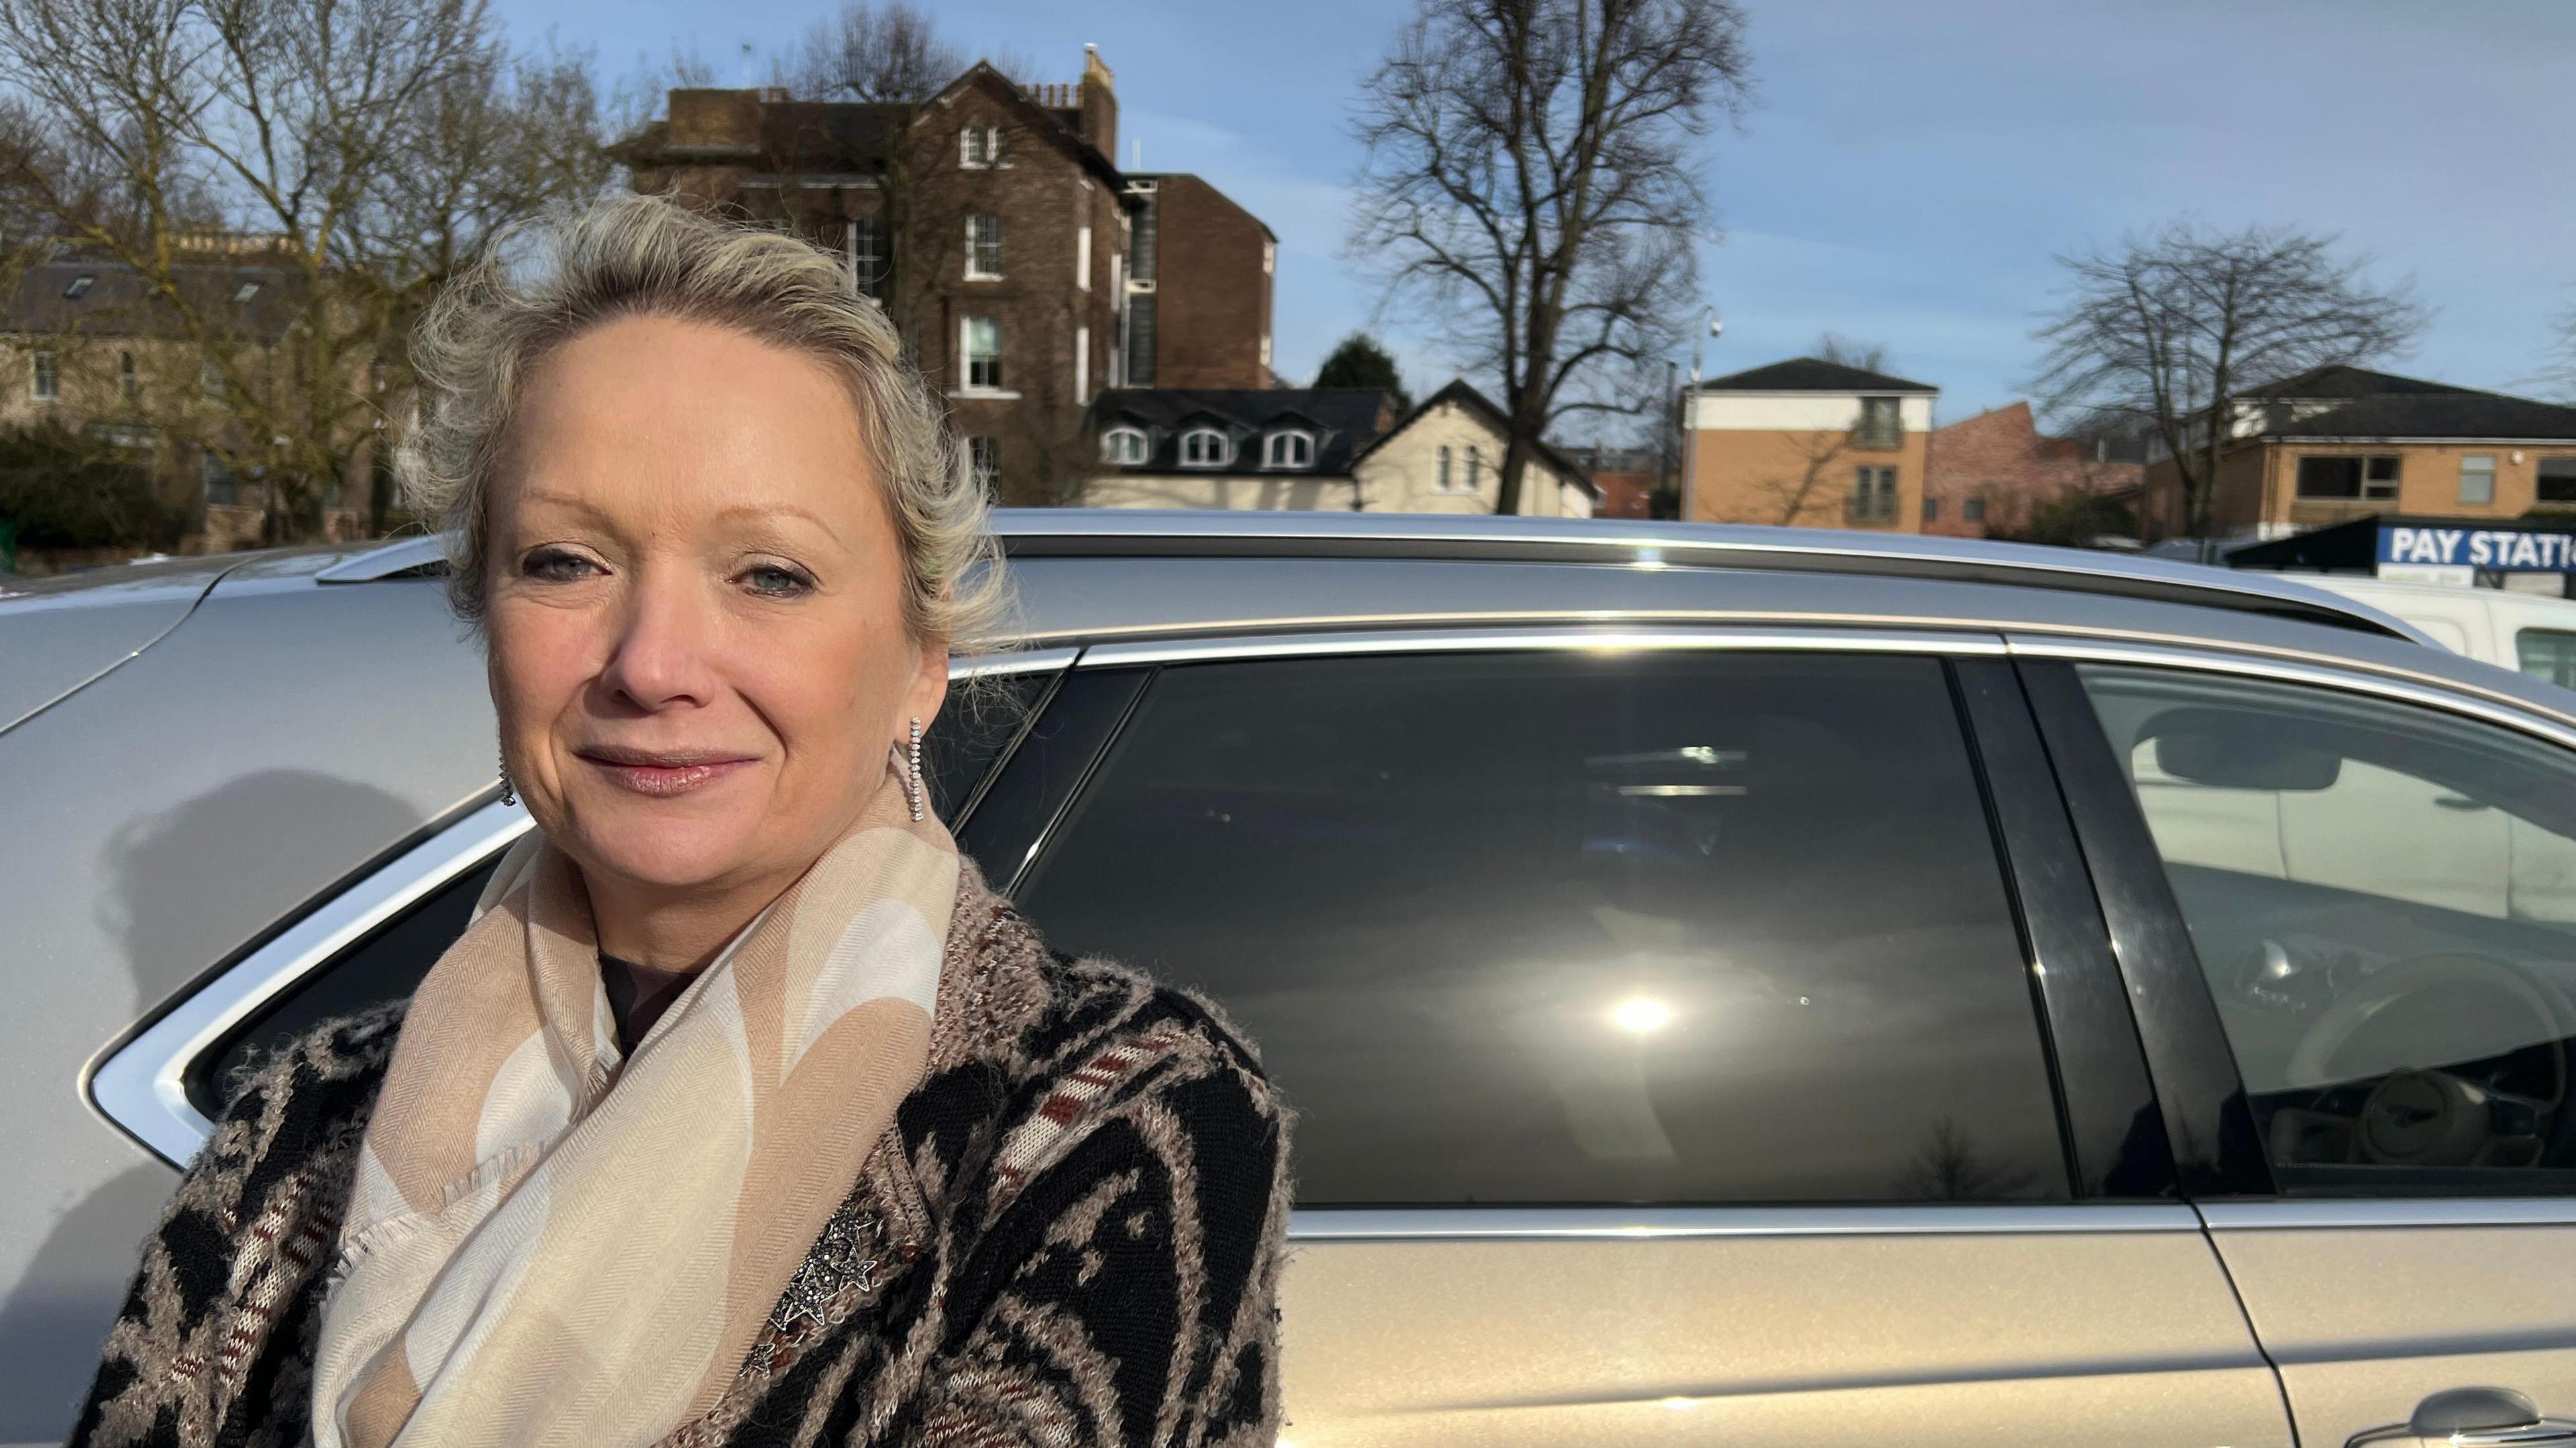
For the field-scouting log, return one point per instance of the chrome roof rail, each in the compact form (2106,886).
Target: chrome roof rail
(1142,532)
(423,555)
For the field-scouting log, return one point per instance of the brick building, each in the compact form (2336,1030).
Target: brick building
(1023,268)
(1626,477)
(89,349)
(1198,287)
(1810,444)
(1984,476)
(2335,444)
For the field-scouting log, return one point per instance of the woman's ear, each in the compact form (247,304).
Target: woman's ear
(929,686)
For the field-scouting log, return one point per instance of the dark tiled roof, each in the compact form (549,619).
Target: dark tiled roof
(115,303)
(1345,420)
(2462,414)
(2351,382)
(1810,374)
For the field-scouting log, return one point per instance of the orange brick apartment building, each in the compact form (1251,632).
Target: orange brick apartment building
(2342,442)
(1808,443)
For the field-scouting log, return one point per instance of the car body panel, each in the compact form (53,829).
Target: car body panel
(301,722)
(60,633)
(162,818)
(2030,1339)
(2367,1320)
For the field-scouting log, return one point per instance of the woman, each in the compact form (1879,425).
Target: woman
(743,1112)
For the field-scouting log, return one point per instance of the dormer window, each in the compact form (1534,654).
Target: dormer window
(1123,446)
(1205,447)
(1288,449)
(979,147)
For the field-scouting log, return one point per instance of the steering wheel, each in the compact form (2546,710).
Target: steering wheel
(2498,1100)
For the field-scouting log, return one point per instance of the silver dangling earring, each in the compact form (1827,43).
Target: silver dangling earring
(509,791)
(912,779)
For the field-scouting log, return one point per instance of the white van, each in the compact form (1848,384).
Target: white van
(2527,631)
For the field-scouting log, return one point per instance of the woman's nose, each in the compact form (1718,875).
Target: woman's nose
(660,657)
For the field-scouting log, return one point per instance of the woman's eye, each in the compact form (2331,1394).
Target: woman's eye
(556,566)
(774,581)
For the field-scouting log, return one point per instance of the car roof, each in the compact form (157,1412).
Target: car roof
(2363,586)
(1119,532)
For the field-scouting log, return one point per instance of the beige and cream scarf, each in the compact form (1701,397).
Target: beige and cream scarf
(550,1244)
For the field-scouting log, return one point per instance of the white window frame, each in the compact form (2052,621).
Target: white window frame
(966,357)
(1082,365)
(44,376)
(1082,258)
(129,377)
(1274,445)
(1125,446)
(1223,452)
(976,246)
(979,148)
(984,462)
(2466,472)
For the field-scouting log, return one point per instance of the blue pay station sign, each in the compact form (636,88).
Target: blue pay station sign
(2501,550)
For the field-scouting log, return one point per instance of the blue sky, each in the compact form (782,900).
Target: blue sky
(1908,170)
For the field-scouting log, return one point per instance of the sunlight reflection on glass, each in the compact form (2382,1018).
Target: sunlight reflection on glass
(1641,1015)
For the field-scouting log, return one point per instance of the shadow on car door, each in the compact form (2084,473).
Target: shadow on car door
(1678,1053)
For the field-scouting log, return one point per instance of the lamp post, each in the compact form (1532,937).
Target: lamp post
(1690,414)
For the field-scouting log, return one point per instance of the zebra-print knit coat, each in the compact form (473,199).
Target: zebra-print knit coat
(1070,1235)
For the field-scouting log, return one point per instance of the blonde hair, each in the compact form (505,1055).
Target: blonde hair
(632,255)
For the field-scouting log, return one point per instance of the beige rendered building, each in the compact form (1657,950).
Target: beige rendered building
(1808,443)
(1303,449)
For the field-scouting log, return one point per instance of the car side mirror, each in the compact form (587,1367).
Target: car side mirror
(2226,749)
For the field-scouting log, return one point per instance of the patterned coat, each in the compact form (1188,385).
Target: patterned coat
(1071,1235)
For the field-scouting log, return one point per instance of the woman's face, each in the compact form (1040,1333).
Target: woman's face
(698,650)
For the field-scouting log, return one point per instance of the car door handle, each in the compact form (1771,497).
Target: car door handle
(2472,1418)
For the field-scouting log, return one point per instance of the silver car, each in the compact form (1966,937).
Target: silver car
(1737,985)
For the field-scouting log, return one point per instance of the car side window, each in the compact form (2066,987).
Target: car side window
(1580,928)
(2547,653)
(958,752)
(2383,899)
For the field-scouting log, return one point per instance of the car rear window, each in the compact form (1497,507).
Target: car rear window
(1582,928)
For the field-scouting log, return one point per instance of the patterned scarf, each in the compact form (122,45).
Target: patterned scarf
(532,1257)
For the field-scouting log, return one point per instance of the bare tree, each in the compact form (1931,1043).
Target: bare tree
(1948,1169)
(355,151)
(888,53)
(1836,348)
(889,57)
(1531,174)
(1808,487)
(2168,332)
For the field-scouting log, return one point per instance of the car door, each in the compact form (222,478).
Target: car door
(2385,1044)
(373,936)
(1671,1062)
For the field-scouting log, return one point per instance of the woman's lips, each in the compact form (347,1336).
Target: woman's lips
(660,776)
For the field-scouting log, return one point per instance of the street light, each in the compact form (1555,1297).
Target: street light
(1690,413)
